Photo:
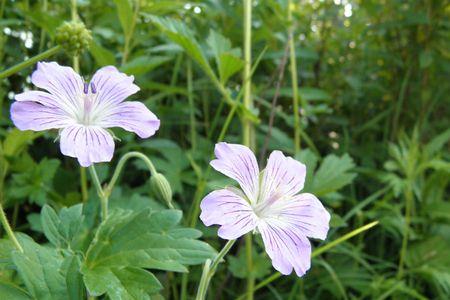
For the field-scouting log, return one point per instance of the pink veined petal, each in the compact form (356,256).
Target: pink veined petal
(40,97)
(283,176)
(111,87)
(238,162)
(303,211)
(132,116)
(88,144)
(228,209)
(28,115)
(62,82)
(287,247)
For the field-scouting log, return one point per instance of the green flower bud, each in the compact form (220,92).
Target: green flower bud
(161,188)
(73,37)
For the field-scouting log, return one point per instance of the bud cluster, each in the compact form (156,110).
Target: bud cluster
(74,37)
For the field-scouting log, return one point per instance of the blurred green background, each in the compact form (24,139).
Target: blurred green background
(373,83)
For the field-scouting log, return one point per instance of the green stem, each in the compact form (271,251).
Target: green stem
(409,201)
(129,35)
(100,192)
(8,229)
(83,183)
(191,106)
(247,101)
(31,61)
(294,79)
(315,253)
(247,128)
(121,163)
(209,270)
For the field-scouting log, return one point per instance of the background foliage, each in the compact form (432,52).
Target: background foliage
(373,85)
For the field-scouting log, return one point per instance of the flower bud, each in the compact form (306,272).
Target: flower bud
(161,188)
(73,37)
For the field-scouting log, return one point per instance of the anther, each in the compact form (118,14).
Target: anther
(86,88)
(93,88)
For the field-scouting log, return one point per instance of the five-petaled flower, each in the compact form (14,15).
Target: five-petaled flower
(83,110)
(268,203)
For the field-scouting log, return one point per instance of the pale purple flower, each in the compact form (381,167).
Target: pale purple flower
(268,203)
(82,111)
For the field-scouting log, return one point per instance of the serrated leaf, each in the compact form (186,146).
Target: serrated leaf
(333,174)
(40,269)
(122,283)
(146,239)
(61,229)
(74,280)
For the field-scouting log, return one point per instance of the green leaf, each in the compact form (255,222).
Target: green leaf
(180,34)
(146,239)
(17,140)
(122,283)
(102,56)
(9,290)
(125,12)
(332,174)
(74,279)
(436,144)
(61,229)
(40,269)
(143,64)
(227,59)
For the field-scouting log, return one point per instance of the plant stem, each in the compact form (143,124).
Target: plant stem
(191,106)
(294,79)
(246,85)
(129,35)
(247,128)
(317,252)
(31,61)
(409,201)
(121,163)
(100,192)
(8,229)
(210,268)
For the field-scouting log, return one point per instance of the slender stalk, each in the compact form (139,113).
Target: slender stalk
(248,103)
(120,165)
(315,253)
(191,106)
(294,79)
(129,35)
(247,128)
(209,270)
(31,61)
(83,183)
(409,201)
(8,229)
(100,192)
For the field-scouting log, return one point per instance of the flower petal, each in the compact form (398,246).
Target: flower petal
(29,115)
(88,144)
(286,246)
(41,97)
(228,209)
(62,82)
(112,86)
(132,116)
(303,211)
(283,176)
(238,162)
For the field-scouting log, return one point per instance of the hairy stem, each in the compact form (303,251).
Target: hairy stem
(8,229)
(209,270)
(100,192)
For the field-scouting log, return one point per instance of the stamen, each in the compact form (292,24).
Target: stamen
(93,88)
(86,88)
